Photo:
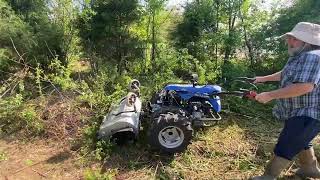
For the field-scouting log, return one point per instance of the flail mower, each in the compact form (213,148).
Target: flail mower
(172,114)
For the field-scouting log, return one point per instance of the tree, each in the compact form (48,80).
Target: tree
(30,11)
(265,41)
(47,37)
(108,32)
(199,18)
(154,7)
(231,9)
(13,30)
(64,14)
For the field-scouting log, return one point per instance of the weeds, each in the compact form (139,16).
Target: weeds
(234,149)
(3,156)
(15,115)
(32,119)
(96,175)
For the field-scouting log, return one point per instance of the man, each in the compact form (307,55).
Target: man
(298,103)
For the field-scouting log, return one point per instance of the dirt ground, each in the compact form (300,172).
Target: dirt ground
(37,160)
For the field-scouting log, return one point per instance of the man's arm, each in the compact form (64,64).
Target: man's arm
(292,90)
(273,77)
(305,78)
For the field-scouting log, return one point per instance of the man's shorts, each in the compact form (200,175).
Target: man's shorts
(297,134)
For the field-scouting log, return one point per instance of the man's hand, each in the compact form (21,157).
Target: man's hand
(264,97)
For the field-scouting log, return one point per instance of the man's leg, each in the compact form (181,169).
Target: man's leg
(297,133)
(308,161)
(308,164)
(273,168)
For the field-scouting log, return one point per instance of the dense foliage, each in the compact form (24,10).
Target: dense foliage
(87,52)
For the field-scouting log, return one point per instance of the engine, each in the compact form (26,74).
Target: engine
(197,109)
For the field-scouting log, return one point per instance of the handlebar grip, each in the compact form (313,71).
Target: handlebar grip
(250,95)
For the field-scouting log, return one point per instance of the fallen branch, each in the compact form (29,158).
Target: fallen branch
(14,87)
(39,173)
(7,72)
(19,170)
(9,88)
(5,93)
(289,169)
(155,172)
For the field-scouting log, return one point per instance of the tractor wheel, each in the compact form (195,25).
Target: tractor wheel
(170,133)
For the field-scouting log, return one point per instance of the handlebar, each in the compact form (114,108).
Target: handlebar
(245,94)
(247,80)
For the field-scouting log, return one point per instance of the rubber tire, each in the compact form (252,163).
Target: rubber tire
(165,120)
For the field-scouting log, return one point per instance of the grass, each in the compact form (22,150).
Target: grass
(227,151)
(3,156)
(236,148)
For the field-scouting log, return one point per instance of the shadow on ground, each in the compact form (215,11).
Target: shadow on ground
(59,157)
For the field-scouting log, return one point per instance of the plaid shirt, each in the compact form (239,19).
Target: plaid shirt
(304,68)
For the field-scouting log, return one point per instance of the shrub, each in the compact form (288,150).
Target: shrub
(16,115)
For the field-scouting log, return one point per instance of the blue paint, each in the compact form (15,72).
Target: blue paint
(187,91)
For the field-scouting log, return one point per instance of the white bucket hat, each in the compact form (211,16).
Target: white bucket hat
(306,32)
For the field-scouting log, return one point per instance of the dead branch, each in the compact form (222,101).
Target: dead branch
(44,78)
(290,167)
(39,173)
(19,170)
(8,88)
(49,50)
(155,172)
(17,76)
(16,49)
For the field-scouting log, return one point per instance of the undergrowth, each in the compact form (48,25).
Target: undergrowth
(72,113)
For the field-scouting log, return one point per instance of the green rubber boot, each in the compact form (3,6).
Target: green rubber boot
(273,169)
(309,167)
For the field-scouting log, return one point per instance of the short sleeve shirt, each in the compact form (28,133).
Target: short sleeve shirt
(304,68)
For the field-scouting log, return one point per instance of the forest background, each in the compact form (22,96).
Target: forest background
(64,62)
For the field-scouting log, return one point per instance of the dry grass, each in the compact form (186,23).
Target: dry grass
(227,151)
(236,148)
(63,119)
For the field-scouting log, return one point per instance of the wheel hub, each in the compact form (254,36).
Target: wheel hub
(171,137)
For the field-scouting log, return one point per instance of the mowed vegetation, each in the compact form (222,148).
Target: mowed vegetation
(63,63)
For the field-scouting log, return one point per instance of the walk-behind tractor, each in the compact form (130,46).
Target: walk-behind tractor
(172,114)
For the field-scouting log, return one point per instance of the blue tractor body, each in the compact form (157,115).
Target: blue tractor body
(188,92)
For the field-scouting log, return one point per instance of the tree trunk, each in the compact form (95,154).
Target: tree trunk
(217,30)
(147,43)
(227,45)
(248,43)
(231,23)
(153,46)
